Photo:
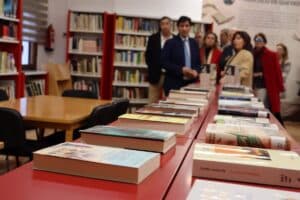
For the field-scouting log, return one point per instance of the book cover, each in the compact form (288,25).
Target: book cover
(175,120)
(244,135)
(130,132)
(246,164)
(162,112)
(212,190)
(93,161)
(246,112)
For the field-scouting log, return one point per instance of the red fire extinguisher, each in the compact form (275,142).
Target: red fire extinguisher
(50,34)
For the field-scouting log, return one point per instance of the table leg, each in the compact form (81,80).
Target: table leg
(69,134)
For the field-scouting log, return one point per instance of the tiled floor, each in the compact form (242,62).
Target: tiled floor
(292,127)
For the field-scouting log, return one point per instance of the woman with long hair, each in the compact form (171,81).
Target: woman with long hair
(243,58)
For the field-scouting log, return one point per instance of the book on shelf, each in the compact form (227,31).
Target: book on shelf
(7,62)
(136,24)
(171,113)
(236,94)
(8,31)
(131,41)
(86,21)
(209,190)
(174,124)
(8,8)
(129,57)
(129,138)
(98,162)
(189,110)
(87,85)
(9,87)
(130,76)
(245,135)
(84,44)
(130,93)
(238,98)
(188,94)
(91,65)
(34,87)
(246,112)
(246,164)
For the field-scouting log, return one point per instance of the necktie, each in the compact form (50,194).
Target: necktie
(187,57)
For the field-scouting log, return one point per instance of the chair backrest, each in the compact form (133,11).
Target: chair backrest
(12,131)
(3,95)
(101,115)
(121,106)
(79,94)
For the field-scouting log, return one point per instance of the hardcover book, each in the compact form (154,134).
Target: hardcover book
(246,164)
(123,137)
(99,162)
(246,112)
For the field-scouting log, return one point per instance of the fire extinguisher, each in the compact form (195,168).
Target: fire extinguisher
(50,34)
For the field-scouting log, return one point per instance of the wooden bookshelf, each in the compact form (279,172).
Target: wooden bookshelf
(11,76)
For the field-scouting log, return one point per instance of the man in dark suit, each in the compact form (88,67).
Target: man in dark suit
(153,58)
(181,58)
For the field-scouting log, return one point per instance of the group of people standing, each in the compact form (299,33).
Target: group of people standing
(175,61)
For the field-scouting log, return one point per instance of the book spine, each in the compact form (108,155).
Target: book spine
(246,173)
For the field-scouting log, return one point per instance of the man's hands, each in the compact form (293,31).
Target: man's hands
(189,73)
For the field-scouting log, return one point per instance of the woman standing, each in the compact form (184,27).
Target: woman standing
(267,82)
(243,58)
(209,52)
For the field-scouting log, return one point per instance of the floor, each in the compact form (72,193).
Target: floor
(292,127)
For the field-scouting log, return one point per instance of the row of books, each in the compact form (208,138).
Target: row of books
(7,62)
(130,57)
(9,87)
(35,87)
(136,24)
(245,149)
(85,44)
(86,65)
(130,41)
(130,76)
(8,8)
(117,152)
(130,93)
(87,85)
(196,27)
(8,31)
(86,22)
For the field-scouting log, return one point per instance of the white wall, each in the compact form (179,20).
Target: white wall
(153,8)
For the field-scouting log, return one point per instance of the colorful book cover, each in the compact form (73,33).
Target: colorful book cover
(175,120)
(98,154)
(129,132)
(213,190)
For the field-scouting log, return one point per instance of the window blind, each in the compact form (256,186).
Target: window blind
(35,20)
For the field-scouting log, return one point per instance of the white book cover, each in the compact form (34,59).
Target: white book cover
(213,190)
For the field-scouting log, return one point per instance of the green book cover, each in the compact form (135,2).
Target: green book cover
(128,132)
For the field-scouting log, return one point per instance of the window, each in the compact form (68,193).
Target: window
(29,55)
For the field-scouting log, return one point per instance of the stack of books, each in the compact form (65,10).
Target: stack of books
(136,25)
(8,8)
(86,22)
(35,87)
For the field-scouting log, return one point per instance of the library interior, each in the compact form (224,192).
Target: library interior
(110,99)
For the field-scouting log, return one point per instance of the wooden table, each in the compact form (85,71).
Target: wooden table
(54,112)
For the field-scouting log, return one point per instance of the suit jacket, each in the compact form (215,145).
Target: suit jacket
(273,78)
(153,58)
(173,60)
(227,53)
(244,61)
